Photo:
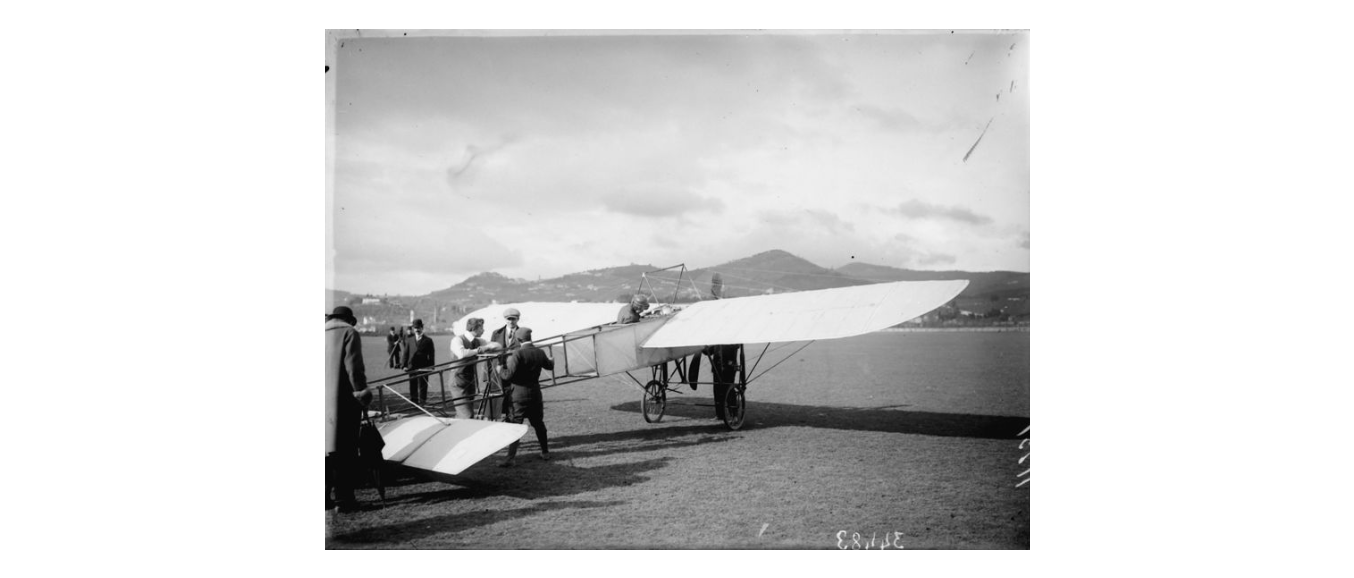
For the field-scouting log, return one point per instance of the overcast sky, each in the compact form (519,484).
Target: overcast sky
(538,156)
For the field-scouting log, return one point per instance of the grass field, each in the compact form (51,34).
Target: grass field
(916,433)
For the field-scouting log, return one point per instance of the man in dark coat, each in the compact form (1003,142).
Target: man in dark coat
(345,394)
(419,353)
(724,369)
(523,371)
(392,347)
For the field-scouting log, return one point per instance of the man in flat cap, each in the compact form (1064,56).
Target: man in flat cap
(507,339)
(418,354)
(345,394)
(523,371)
(506,336)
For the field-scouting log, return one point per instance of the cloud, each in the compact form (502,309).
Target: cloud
(659,202)
(425,245)
(907,251)
(777,218)
(894,119)
(829,221)
(472,153)
(936,259)
(915,209)
(663,240)
(434,262)
(816,219)
(581,152)
(1025,240)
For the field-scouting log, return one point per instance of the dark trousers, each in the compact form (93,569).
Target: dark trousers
(532,410)
(393,357)
(418,388)
(724,377)
(721,394)
(340,469)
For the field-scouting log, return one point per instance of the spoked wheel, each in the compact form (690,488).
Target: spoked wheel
(735,408)
(655,401)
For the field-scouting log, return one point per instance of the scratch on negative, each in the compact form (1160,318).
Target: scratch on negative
(759,534)
(980,139)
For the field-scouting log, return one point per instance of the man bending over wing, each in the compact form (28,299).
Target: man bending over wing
(632,312)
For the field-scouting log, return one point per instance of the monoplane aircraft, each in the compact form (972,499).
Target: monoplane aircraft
(587,343)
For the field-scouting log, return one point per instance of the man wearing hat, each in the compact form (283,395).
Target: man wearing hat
(506,336)
(523,371)
(418,354)
(632,312)
(345,394)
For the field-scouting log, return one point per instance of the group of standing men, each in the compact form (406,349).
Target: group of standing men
(519,373)
(414,352)
(346,392)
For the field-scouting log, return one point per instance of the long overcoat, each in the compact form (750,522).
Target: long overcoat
(343,375)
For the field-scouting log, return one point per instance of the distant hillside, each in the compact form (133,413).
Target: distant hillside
(984,283)
(613,284)
(1008,291)
(768,272)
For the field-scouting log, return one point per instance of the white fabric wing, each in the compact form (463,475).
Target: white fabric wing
(804,316)
(446,446)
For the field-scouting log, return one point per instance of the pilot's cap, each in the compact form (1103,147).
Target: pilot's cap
(511,312)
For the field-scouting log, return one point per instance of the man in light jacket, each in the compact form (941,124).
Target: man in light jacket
(466,346)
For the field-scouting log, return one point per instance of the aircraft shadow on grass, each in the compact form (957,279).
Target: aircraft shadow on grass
(765,415)
(484,479)
(402,533)
(531,479)
(644,439)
